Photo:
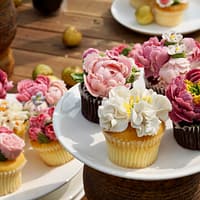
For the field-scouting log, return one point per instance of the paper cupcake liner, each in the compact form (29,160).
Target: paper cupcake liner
(11,180)
(158,89)
(133,154)
(89,104)
(53,154)
(187,136)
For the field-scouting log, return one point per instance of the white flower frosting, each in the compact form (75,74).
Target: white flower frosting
(176,49)
(172,37)
(142,108)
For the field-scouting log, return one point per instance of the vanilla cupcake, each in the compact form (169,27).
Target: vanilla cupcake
(12,161)
(133,123)
(173,9)
(43,139)
(137,3)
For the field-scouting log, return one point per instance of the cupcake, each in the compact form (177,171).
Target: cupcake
(173,9)
(103,71)
(133,123)
(12,161)
(165,59)
(43,139)
(184,94)
(39,94)
(14,117)
(137,3)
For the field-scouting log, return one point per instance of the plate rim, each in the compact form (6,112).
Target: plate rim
(114,172)
(143,30)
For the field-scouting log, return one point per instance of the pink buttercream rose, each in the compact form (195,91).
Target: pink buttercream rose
(90,51)
(5,85)
(173,68)
(49,132)
(11,145)
(120,48)
(193,75)
(55,92)
(104,73)
(33,133)
(5,130)
(28,88)
(50,111)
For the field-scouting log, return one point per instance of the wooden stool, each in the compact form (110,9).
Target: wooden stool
(101,186)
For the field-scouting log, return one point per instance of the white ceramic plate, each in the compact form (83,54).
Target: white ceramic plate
(39,179)
(86,142)
(123,13)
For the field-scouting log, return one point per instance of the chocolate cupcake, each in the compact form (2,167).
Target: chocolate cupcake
(184,94)
(102,72)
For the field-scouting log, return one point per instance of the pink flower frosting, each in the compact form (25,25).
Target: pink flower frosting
(27,88)
(5,130)
(5,85)
(11,145)
(104,71)
(173,68)
(184,95)
(41,126)
(55,91)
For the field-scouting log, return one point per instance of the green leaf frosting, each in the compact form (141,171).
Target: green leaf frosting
(43,138)
(78,77)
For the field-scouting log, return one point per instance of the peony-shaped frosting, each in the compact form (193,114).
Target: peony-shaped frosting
(41,127)
(142,108)
(184,94)
(105,70)
(10,145)
(5,85)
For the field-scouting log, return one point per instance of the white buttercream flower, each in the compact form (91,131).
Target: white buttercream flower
(176,49)
(172,37)
(164,3)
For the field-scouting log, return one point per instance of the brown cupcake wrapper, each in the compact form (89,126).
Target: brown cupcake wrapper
(89,104)
(156,88)
(187,136)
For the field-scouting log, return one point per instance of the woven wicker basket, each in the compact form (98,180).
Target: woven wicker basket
(101,186)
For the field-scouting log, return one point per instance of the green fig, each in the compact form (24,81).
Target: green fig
(43,70)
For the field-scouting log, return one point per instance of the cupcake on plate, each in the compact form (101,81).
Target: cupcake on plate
(103,71)
(14,117)
(12,161)
(39,94)
(169,12)
(137,3)
(43,139)
(165,59)
(133,123)
(184,94)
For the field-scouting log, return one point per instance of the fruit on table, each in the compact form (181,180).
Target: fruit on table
(47,7)
(66,75)
(43,70)
(144,15)
(71,36)
(17,2)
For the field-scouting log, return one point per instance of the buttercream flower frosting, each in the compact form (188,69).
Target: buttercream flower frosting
(39,94)
(105,70)
(12,114)
(142,108)
(10,144)
(41,127)
(184,94)
(168,3)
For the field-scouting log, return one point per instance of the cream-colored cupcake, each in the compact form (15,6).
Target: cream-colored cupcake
(137,3)
(175,12)
(43,139)
(133,123)
(12,161)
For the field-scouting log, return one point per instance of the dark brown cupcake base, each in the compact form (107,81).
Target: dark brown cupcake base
(89,104)
(154,87)
(187,136)
(101,186)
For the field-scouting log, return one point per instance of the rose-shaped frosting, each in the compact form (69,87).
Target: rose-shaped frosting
(41,128)
(5,85)
(5,130)
(55,91)
(11,145)
(168,3)
(103,72)
(27,88)
(184,96)
(173,68)
(142,108)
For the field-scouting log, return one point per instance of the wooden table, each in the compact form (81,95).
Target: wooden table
(39,39)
